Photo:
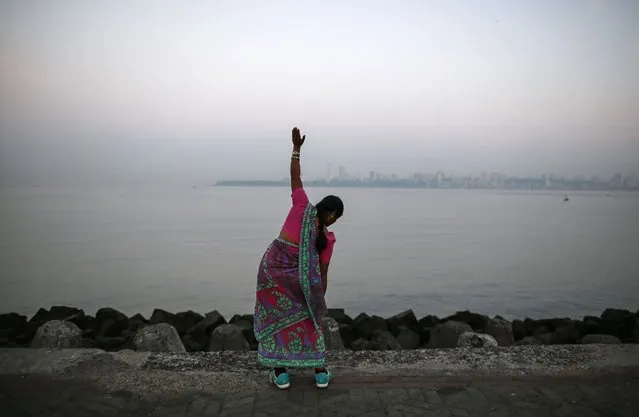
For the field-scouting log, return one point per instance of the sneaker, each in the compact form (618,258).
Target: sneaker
(281,382)
(322,379)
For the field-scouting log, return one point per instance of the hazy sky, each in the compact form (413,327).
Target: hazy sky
(196,91)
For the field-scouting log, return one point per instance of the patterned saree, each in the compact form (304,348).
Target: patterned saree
(290,302)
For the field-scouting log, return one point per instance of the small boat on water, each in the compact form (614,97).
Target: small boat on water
(566,197)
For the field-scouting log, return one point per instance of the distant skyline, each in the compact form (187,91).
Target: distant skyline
(193,91)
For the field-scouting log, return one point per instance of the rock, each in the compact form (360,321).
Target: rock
(339,315)
(247,331)
(545,338)
(518,329)
(228,337)
(408,339)
(540,331)
(567,335)
(57,334)
(620,323)
(63,312)
(477,322)
(111,328)
(186,320)
(501,330)
(81,320)
(404,319)
(346,335)
(161,337)
(11,325)
(361,344)
(110,322)
(191,344)
(368,326)
(424,336)
(215,315)
(445,335)
(529,341)
(162,316)
(428,321)
(332,336)
(139,318)
(109,343)
(384,340)
(600,339)
(201,332)
(591,325)
(477,340)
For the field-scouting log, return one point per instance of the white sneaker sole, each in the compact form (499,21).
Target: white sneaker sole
(285,386)
(321,385)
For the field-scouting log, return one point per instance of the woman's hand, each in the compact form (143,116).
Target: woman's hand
(298,140)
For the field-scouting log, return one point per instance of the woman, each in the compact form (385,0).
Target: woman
(291,283)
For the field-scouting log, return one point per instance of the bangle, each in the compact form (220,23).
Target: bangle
(295,155)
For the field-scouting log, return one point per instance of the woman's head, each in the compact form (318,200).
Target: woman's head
(329,210)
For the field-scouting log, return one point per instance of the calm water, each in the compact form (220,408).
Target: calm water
(436,251)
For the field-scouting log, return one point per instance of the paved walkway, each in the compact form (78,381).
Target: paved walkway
(498,396)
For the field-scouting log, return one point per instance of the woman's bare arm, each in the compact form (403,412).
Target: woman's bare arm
(296,171)
(324,272)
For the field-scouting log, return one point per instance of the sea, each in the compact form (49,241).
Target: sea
(511,253)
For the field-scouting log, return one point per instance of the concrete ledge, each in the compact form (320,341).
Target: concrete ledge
(512,361)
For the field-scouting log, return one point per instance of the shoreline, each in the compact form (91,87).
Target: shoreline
(111,330)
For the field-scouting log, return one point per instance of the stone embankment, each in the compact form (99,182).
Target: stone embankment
(111,330)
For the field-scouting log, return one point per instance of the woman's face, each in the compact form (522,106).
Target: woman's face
(330,219)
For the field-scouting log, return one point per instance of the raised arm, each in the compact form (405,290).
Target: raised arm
(296,172)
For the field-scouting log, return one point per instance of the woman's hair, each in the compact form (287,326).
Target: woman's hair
(328,205)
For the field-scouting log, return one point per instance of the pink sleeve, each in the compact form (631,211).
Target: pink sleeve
(325,256)
(299,197)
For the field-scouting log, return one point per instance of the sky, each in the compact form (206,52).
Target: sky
(197,91)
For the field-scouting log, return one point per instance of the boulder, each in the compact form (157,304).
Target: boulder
(63,312)
(201,332)
(140,318)
(81,320)
(600,339)
(186,320)
(247,331)
(620,323)
(161,337)
(501,330)
(384,340)
(366,327)
(408,339)
(346,334)
(162,316)
(339,315)
(566,335)
(445,335)
(476,321)
(191,345)
(529,341)
(110,322)
(518,329)
(427,322)
(361,344)
(228,337)
(404,319)
(591,325)
(477,340)
(11,325)
(332,336)
(424,336)
(109,343)
(57,334)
